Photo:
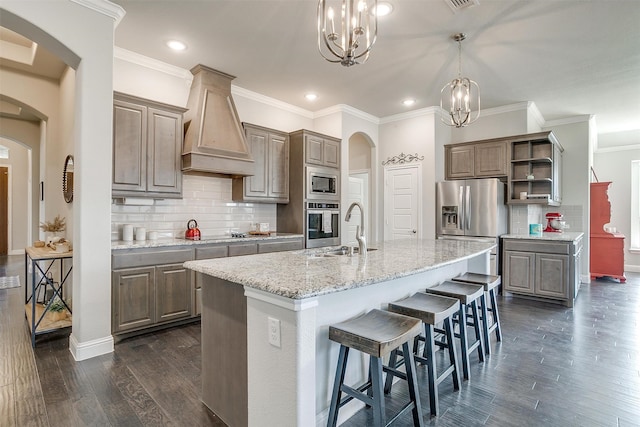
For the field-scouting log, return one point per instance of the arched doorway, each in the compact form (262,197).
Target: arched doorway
(360,185)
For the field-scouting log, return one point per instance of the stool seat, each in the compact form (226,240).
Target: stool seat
(376,333)
(464,292)
(430,309)
(487,280)
(490,283)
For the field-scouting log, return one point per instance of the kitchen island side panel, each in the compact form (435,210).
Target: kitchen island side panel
(224,350)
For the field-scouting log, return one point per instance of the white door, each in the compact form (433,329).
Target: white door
(402,202)
(357,193)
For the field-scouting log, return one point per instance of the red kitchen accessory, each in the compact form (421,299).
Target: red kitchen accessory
(192,233)
(554,222)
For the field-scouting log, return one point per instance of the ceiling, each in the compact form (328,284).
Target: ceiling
(570,57)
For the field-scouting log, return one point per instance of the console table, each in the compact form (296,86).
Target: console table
(43,260)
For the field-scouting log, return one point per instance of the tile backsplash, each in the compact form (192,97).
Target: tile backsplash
(523,215)
(206,199)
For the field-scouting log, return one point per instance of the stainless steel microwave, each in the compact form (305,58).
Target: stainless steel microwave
(323,184)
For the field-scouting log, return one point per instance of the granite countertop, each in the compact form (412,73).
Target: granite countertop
(121,244)
(567,236)
(308,273)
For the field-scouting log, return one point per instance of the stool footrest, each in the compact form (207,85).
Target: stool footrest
(356,393)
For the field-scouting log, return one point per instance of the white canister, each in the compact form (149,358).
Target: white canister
(523,195)
(141,234)
(153,235)
(127,232)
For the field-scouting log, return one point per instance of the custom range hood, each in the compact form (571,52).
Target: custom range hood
(214,141)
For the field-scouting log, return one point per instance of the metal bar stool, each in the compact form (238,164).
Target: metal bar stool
(490,284)
(375,333)
(431,310)
(468,295)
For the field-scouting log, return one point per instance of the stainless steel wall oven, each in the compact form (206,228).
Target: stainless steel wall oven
(322,226)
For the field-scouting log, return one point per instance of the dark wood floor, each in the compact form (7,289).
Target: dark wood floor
(556,367)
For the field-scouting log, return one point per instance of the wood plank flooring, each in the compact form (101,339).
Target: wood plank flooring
(556,366)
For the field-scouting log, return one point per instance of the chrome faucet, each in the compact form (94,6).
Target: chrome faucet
(360,237)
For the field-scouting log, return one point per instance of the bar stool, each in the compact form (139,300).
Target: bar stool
(431,310)
(490,284)
(375,333)
(468,295)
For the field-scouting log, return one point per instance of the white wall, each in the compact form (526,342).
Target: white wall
(83,38)
(613,164)
(19,179)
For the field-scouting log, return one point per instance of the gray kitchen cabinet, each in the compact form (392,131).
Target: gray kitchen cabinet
(270,183)
(147,148)
(542,268)
(239,249)
(476,159)
(150,287)
(536,169)
(287,245)
(133,299)
(173,293)
(321,150)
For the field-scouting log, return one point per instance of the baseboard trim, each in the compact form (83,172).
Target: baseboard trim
(87,350)
(632,268)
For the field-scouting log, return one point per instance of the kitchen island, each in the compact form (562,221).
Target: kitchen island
(266,356)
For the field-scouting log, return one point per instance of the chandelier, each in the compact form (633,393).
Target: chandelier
(356,32)
(460,92)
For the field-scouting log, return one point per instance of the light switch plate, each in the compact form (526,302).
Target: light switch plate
(274,332)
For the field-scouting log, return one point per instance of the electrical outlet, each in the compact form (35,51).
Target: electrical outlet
(274,332)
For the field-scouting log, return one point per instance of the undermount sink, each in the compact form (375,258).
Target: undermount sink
(342,251)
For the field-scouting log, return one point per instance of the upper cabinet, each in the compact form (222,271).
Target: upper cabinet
(270,183)
(481,159)
(320,149)
(536,170)
(147,148)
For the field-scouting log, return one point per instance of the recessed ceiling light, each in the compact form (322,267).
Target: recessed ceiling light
(176,45)
(408,102)
(383,9)
(311,96)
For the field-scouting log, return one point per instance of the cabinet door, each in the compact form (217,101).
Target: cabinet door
(129,146)
(518,271)
(164,150)
(459,162)
(243,249)
(331,153)
(133,296)
(314,150)
(491,159)
(552,275)
(257,185)
(173,292)
(278,167)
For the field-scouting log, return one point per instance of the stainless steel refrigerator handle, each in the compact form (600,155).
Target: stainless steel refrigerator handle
(461,214)
(467,214)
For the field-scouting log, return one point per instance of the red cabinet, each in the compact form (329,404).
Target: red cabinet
(607,249)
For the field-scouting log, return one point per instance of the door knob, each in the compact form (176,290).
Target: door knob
(414,231)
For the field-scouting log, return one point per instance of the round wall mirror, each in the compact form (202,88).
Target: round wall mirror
(67,179)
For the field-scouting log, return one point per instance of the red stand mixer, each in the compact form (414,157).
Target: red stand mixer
(555,224)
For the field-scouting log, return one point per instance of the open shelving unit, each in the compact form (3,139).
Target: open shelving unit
(535,169)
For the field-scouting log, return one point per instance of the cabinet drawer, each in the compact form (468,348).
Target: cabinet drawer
(138,258)
(209,252)
(537,246)
(279,246)
(243,249)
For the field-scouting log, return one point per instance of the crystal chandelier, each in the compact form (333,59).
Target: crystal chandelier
(356,33)
(461,91)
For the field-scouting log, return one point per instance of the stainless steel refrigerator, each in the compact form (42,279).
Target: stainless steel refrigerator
(472,209)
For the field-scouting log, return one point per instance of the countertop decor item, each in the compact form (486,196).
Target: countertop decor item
(54,228)
(192,233)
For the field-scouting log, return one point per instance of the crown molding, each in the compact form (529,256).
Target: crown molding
(413,114)
(535,112)
(153,64)
(112,10)
(347,109)
(585,118)
(617,148)
(245,93)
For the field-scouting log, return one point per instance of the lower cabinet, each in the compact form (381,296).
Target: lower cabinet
(547,269)
(149,288)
